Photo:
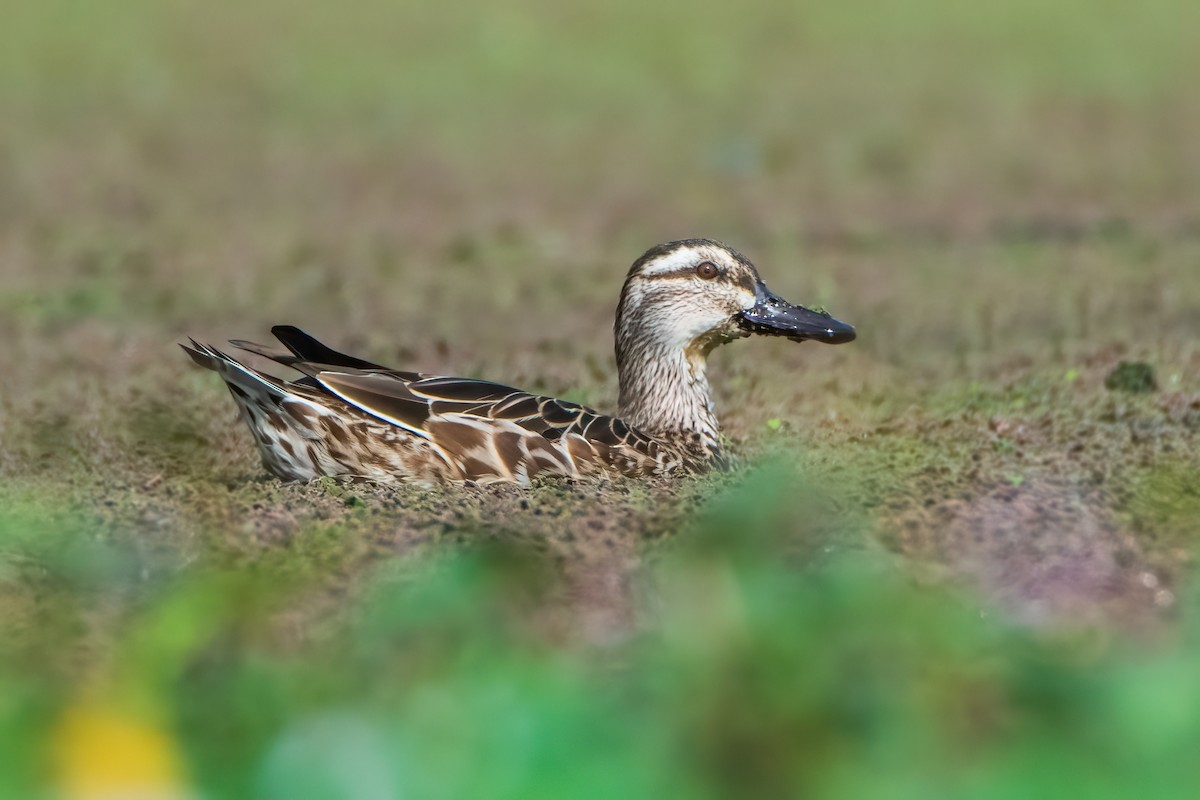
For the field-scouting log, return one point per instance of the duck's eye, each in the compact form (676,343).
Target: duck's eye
(707,270)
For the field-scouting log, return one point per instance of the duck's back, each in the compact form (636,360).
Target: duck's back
(352,418)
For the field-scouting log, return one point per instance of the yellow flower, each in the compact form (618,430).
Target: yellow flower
(105,753)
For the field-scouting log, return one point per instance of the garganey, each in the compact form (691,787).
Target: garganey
(347,417)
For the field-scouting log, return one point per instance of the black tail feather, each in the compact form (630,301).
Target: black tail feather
(205,354)
(307,348)
(201,354)
(275,354)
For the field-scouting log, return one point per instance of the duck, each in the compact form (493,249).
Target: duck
(346,417)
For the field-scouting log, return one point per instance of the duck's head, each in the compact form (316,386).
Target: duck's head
(696,293)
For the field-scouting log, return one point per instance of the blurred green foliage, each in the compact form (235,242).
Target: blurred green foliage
(777,655)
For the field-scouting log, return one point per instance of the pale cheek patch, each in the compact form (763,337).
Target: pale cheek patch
(683,323)
(679,312)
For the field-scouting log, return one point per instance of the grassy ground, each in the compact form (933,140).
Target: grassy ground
(950,548)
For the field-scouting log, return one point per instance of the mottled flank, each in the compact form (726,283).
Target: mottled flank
(332,426)
(351,418)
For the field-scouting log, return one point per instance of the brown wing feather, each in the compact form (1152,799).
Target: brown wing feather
(463,390)
(539,414)
(473,449)
(380,395)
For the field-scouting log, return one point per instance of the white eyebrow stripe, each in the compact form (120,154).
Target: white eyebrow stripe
(673,262)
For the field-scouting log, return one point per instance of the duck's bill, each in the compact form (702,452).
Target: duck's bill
(771,315)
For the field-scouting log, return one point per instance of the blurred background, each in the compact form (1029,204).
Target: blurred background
(954,562)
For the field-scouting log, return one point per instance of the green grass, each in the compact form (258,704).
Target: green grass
(766,671)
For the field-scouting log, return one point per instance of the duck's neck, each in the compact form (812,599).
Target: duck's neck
(665,394)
